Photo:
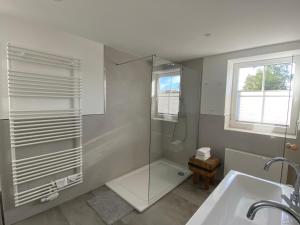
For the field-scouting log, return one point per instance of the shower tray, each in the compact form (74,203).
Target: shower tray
(135,189)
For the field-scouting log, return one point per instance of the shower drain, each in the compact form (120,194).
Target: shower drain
(180,173)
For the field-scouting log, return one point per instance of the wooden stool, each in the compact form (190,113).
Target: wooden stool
(204,169)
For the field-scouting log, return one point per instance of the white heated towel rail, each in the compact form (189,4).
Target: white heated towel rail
(44,110)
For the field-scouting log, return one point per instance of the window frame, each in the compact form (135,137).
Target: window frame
(231,110)
(155,88)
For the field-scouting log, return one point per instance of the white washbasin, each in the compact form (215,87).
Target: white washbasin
(229,202)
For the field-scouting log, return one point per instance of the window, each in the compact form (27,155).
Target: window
(167,94)
(262,96)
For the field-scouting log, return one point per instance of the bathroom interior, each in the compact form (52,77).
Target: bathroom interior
(143,112)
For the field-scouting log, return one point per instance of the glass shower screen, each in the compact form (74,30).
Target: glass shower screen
(174,125)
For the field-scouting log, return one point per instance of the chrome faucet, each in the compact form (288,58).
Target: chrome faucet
(293,202)
(294,198)
(254,208)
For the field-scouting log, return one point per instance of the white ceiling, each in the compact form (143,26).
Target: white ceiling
(170,28)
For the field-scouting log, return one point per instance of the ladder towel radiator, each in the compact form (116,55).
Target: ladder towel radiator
(45,123)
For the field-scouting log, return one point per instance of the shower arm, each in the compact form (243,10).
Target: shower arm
(136,59)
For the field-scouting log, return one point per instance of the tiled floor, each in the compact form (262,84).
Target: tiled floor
(174,209)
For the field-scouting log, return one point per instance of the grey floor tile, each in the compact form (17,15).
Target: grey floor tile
(120,222)
(193,193)
(78,212)
(170,210)
(50,217)
(176,208)
(99,190)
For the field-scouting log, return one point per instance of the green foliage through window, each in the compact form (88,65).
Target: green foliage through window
(277,77)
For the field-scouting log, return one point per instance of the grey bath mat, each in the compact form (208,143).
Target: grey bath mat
(109,205)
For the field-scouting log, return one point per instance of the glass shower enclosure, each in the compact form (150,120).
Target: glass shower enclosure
(174,104)
(175,111)
(292,139)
